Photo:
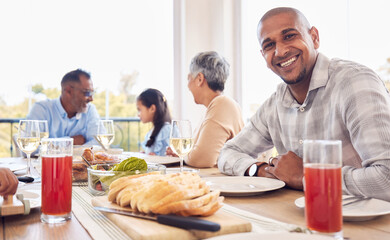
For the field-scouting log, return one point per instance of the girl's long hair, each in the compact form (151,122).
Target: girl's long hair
(153,96)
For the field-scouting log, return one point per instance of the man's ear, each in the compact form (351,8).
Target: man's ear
(315,37)
(68,89)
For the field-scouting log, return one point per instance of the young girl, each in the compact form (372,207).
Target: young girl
(152,107)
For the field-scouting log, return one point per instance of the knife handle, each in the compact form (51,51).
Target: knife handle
(188,223)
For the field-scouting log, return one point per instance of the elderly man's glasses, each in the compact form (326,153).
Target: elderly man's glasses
(87,93)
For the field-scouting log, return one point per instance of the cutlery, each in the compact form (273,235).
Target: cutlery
(85,160)
(171,220)
(354,199)
(100,143)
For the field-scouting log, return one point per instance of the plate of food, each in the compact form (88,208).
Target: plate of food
(100,176)
(93,157)
(366,209)
(164,160)
(243,186)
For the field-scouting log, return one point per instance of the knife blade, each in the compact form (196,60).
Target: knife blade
(171,220)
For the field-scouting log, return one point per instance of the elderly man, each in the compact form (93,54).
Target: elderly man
(320,98)
(72,114)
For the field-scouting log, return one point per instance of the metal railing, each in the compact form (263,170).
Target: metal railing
(124,137)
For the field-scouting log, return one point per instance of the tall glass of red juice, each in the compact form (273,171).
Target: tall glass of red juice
(323,193)
(56,179)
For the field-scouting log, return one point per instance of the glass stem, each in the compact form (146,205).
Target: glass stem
(181,164)
(28,164)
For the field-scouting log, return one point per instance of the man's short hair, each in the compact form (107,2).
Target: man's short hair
(74,76)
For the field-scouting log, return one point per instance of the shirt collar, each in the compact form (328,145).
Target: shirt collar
(320,75)
(60,108)
(62,111)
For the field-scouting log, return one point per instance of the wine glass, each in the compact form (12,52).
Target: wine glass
(180,139)
(105,132)
(43,129)
(28,140)
(43,133)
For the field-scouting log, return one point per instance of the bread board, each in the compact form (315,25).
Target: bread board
(140,229)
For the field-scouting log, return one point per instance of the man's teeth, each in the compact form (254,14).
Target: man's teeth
(287,63)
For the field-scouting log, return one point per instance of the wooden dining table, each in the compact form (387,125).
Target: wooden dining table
(278,205)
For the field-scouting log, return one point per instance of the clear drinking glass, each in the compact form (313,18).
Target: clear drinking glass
(43,132)
(43,128)
(323,194)
(56,179)
(28,140)
(106,132)
(180,139)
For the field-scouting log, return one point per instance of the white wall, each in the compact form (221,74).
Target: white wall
(208,26)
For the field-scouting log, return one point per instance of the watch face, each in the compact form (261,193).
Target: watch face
(252,170)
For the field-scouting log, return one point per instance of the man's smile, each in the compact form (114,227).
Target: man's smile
(288,62)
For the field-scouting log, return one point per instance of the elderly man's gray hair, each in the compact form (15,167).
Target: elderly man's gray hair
(214,68)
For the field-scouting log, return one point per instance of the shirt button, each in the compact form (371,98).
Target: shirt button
(302,109)
(301,141)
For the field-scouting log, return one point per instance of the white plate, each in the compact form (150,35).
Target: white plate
(164,160)
(33,195)
(359,211)
(14,166)
(243,186)
(271,235)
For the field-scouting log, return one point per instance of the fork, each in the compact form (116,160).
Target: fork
(354,199)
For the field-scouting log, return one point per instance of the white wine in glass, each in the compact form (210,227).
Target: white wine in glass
(43,128)
(44,133)
(28,140)
(106,132)
(180,139)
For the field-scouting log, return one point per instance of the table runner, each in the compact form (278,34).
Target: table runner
(100,227)
(97,225)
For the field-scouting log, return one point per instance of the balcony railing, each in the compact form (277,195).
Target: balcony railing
(127,134)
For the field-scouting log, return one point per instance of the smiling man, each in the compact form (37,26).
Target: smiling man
(321,98)
(72,114)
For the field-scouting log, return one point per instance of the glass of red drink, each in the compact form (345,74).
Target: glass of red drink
(56,179)
(323,194)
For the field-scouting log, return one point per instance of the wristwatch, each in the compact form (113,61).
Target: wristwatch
(253,169)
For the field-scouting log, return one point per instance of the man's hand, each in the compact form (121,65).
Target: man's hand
(8,182)
(288,168)
(169,152)
(78,140)
(263,173)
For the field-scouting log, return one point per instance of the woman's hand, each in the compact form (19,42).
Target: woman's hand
(8,182)
(169,152)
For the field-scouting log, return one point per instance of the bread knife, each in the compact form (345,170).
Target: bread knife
(171,220)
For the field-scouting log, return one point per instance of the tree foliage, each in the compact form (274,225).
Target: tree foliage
(128,135)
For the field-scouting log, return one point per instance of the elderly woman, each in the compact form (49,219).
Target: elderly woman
(223,120)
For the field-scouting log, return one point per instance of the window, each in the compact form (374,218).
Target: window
(42,40)
(347,30)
